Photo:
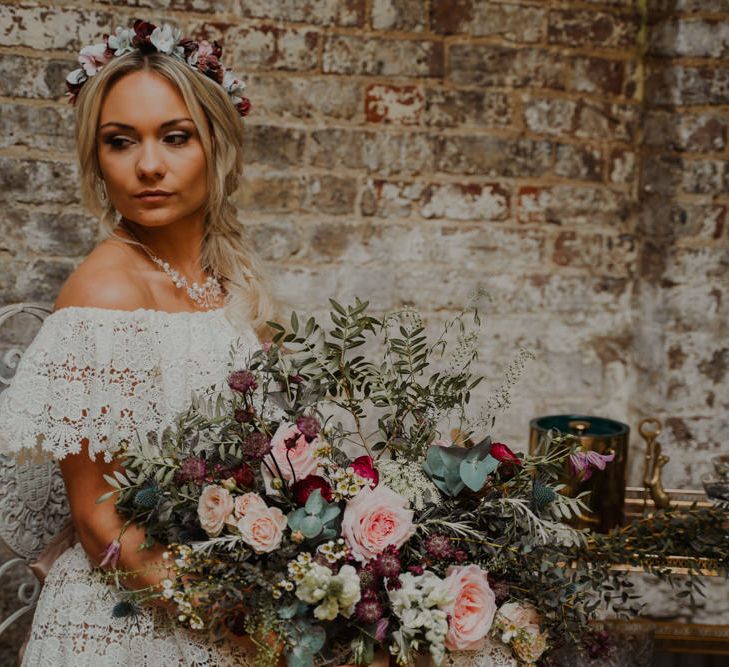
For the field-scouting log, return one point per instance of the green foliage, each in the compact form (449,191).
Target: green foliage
(454,469)
(316,519)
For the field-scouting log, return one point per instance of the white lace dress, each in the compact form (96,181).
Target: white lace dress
(101,374)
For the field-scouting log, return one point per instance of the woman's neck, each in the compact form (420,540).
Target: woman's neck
(181,249)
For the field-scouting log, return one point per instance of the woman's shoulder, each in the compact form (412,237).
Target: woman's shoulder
(105,279)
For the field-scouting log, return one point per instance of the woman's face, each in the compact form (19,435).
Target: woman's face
(147,141)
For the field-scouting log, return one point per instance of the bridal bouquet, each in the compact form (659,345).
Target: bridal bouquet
(338,498)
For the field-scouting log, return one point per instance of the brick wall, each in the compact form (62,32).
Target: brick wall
(569,156)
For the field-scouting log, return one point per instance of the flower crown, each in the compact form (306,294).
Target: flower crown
(148,38)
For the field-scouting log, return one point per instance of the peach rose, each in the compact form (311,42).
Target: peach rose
(519,616)
(301,457)
(262,528)
(374,520)
(213,508)
(473,609)
(242,504)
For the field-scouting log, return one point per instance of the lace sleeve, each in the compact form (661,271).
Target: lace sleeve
(82,380)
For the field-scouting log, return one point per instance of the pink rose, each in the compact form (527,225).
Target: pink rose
(290,449)
(213,508)
(473,609)
(247,502)
(262,528)
(374,520)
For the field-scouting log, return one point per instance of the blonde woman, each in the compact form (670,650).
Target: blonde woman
(146,319)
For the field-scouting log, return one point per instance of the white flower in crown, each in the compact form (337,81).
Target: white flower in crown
(166,38)
(232,84)
(93,58)
(121,41)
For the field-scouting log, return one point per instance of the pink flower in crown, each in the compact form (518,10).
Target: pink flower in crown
(94,57)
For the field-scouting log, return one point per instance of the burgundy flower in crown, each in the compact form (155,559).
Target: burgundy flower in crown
(149,38)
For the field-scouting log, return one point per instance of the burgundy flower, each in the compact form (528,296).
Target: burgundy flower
(111,554)
(364,466)
(387,564)
(189,46)
(73,90)
(460,556)
(192,469)
(303,488)
(308,427)
(417,570)
(211,67)
(143,31)
(255,446)
(244,106)
(368,610)
(503,454)
(439,545)
(368,579)
(242,381)
(244,415)
(243,475)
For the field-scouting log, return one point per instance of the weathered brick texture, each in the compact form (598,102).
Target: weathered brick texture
(569,156)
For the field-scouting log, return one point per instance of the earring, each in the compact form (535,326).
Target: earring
(102,191)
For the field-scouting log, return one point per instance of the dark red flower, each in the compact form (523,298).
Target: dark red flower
(244,106)
(460,556)
(439,545)
(243,475)
(308,427)
(256,445)
(143,31)
(192,469)
(189,46)
(417,570)
(244,415)
(368,610)
(503,454)
(303,488)
(368,579)
(364,466)
(387,564)
(242,381)
(211,67)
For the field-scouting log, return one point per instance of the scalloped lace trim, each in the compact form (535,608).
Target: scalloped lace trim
(97,375)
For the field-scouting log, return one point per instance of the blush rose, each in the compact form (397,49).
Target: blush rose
(374,520)
(262,528)
(214,506)
(472,612)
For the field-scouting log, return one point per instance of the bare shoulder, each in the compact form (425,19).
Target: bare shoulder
(105,279)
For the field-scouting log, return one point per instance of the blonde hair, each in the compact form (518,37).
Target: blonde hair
(226,250)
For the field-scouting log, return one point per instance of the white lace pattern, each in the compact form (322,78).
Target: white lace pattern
(98,375)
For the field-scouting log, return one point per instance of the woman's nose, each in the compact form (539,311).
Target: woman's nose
(150,163)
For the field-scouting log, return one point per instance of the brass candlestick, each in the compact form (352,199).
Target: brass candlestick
(649,430)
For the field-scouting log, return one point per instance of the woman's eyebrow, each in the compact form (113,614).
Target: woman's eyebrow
(131,127)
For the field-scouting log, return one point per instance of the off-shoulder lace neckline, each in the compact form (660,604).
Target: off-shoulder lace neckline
(147,311)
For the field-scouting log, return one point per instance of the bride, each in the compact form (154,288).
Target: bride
(149,317)
(146,319)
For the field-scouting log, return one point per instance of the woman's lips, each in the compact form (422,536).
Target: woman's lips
(153,198)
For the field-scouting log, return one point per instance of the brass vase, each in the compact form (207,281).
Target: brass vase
(607,487)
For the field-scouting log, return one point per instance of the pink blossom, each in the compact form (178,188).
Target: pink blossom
(374,520)
(472,612)
(94,57)
(111,554)
(583,463)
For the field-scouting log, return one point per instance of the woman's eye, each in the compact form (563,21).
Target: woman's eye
(180,137)
(116,142)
